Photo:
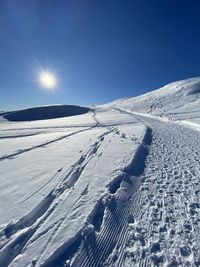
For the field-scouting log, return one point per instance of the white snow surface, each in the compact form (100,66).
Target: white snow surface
(116,186)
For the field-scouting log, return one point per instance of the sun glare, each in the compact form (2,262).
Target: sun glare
(47,80)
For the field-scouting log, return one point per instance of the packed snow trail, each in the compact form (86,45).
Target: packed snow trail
(166,209)
(152,218)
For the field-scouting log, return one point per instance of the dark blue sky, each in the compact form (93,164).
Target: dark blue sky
(101,50)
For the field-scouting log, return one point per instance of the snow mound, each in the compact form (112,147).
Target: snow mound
(46,112)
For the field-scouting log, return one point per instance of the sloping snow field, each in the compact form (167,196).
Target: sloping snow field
(116,186)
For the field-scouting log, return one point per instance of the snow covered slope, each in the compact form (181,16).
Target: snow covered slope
(115,186)
(176,101)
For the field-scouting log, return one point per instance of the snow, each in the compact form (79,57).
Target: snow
(115,186)
(176,101)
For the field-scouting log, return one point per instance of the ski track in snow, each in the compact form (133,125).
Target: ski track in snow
(152,216)
(43,144)
(28,225)
(149,215)
(21,151)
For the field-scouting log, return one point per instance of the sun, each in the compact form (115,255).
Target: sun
(47,80)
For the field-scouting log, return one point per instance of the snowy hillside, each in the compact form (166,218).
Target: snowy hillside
(176,101)
(112,185)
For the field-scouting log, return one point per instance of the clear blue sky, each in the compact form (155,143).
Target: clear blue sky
(101,50)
